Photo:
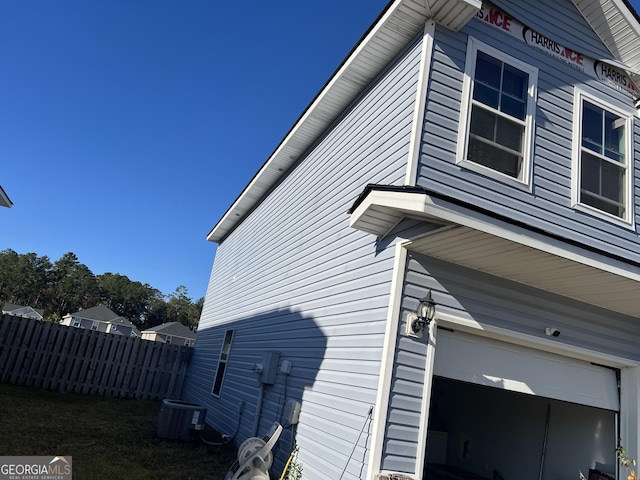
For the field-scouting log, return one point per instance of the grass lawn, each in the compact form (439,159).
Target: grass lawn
(108,438)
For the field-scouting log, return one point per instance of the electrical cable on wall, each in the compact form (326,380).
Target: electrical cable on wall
(226,438)
(369,415)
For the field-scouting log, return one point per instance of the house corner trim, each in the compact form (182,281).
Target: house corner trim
(421,103)
(387,360)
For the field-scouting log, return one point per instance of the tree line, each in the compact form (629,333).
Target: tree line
(67,286)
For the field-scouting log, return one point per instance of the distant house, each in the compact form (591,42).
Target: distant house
(22,311)
(102,319)
(170,332)
(5,201)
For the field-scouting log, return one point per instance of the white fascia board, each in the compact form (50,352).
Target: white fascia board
(279,162)
(401,203)
(324,109)
(425,206)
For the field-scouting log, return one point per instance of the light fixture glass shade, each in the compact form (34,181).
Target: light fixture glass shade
(426,308)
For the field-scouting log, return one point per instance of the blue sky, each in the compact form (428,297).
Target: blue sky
(128,127)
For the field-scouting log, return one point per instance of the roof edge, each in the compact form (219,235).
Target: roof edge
(422,191)
(5,201)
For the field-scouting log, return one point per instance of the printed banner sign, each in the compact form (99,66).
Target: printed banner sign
(35,468)
(600,69)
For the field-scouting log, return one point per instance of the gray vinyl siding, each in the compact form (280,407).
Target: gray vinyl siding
(494,301)
(293,277)
(404,414)
(559,20)
(548,205)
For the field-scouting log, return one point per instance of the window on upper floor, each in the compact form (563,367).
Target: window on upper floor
(602,176)
(496,130)
(76,323)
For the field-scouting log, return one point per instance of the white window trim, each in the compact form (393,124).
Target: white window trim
(629,369)
(473,45)
(578,98)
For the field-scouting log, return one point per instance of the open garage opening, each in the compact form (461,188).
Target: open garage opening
(499,411)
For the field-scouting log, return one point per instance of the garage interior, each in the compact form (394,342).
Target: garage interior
(493,414)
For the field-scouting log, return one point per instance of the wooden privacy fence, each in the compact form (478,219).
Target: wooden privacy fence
(67,359)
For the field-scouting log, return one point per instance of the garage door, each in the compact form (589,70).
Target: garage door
(484,361)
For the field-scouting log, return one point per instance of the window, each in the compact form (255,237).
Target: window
(222,364)
(76,322)
(497,123)
(601,170)
(94,325)
(168,339)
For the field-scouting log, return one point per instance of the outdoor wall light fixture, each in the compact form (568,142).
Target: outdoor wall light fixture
(425,313)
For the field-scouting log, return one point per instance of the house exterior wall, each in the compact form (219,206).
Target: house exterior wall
(551,19)
(175,339)
(123,329)
(184,341)
(294,278)
(547,205)
(490,301)
(84,323)
(150,336)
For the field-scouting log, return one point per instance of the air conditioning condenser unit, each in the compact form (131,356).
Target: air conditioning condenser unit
(179,420)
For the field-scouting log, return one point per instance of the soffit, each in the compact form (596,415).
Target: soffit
(617,26)
(530,266)
(495,246)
